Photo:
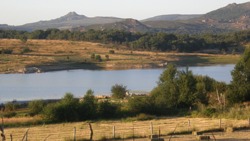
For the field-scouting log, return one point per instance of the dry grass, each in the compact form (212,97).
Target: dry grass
(58,132)
(57,55)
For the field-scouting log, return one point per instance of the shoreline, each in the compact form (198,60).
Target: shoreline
(46,69)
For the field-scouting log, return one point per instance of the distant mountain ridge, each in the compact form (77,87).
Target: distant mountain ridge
(172,17)
(69,21)
(233,17)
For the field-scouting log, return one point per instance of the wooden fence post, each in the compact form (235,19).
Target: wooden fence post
(133,132)
(74,133)
(10,137)
(189,124)
(159,132)
(220,123)
(27,136)
(2,130)
(249,122)
(113,132)
(91,132)
(151,127)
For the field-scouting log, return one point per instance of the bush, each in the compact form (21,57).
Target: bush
(6,51)
(98,58)
(92,56)
(111,52)
(36,107)
(107,57)
(11,106)
(9,114)
(209,112)
(26,50)
(106,109)
(118,91)
(143,116)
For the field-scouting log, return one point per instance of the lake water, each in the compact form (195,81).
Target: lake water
(52,85)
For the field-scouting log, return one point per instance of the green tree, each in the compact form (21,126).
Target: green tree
(118,91)
(166,94)
(106,109)
(98,58)
(36,107)
(88,107)
(186,85)
(92,56)
(65,110)
(23,38)
(239,89)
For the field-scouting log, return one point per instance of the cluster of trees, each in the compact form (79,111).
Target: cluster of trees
(140,41)
(70,108)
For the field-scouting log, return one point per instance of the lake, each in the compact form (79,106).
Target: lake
(51,85)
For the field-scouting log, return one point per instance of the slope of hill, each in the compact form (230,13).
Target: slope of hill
(173,17)
(233,16)
(130,25)
(69,21)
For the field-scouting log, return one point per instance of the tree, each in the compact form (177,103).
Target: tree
(106,109)
(98,58)
(186,84)
(88,107)
(36,107)
(118,91)
(65,110)
(23,38)
(239,89)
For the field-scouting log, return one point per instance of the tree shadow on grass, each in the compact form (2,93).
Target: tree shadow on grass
(62,65)
(191,60)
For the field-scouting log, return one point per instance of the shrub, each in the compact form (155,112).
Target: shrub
(107,57)
(92,56)
(9,114)
(118,91)
(26,50)
(11,106)
(98,58)
(111,52)
(209,112)
(36,107)
(106,109)
(6,51)
(143,116)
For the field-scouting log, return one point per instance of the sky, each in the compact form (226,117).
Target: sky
(18,12)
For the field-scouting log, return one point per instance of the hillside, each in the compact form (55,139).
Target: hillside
(233,16)
(130,25)
(52,55)
(69,21)
(172,17)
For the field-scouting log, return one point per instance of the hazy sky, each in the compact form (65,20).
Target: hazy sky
(17,12)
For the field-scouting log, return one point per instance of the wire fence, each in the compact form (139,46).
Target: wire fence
(118,129)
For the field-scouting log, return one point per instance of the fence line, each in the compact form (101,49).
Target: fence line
(80,130)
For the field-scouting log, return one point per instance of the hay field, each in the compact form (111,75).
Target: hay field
(51,55)
(123,129)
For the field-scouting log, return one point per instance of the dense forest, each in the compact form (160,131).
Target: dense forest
(227,42)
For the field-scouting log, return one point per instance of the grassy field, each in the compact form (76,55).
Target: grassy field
(50,55)
(125,130)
